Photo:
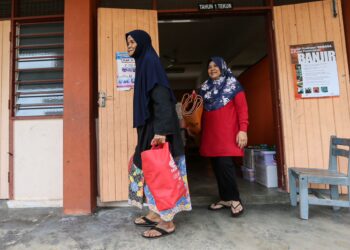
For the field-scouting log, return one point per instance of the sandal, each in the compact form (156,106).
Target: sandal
(162,232)
(234,208)
(147,222)
(221,206)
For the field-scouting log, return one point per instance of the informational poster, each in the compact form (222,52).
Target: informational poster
(315,70)
(125,71)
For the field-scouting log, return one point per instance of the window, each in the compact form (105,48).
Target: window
(39,69)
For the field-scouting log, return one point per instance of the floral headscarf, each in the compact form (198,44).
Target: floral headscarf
(217,93)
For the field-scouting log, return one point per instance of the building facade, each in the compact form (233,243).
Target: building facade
(61,147)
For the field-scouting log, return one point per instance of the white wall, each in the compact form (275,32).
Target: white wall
(38,160)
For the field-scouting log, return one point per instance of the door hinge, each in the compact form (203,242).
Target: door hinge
(10,36)
(8,177)
(9,104)
(273,25)
(335,8)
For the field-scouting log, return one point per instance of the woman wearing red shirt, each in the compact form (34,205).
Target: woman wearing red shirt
(224,130)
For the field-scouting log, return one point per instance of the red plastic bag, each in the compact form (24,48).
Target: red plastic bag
(162,176)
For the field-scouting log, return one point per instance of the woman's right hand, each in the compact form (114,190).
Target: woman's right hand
(158,140)
(242,139)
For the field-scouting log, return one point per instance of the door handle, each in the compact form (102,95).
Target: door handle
(102,99)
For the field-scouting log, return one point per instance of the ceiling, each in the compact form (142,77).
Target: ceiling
(186,47)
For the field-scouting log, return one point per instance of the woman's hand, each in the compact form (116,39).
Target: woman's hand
(158,139)
(242,139)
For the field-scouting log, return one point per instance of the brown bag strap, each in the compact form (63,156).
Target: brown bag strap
(190,103)
(184,98)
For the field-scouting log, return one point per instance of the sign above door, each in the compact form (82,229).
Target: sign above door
(214,6)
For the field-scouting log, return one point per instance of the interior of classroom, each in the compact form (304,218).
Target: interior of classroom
(185,48)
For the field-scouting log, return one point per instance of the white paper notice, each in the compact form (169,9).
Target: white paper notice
(125,71)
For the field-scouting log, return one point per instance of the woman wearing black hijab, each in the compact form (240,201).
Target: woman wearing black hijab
(156,121)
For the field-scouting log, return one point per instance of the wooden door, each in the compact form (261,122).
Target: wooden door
(117,138)
(5,27)
(309,123)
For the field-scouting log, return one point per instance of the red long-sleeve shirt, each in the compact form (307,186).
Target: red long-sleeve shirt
(220,128)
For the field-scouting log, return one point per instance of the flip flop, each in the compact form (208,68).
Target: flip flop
(238,213)
(147,222)
(160,230)
(222,206)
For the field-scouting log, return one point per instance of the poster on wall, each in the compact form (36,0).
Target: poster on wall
(125,71)
(315,70)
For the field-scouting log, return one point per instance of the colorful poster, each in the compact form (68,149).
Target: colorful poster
(125,71)
(315,70)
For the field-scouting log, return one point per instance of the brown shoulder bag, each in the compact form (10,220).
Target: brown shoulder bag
(192,109)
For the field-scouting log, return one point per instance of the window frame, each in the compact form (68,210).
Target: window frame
(13,95)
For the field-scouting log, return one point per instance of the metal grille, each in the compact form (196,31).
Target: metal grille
(40,7)
(131,4)
(5,9)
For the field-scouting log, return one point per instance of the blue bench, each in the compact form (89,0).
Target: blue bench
(331,176)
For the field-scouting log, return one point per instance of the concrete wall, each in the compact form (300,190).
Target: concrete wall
(38,160)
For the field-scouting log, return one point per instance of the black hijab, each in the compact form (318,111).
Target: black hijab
(149,72)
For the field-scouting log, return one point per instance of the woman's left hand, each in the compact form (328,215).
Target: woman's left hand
(242,139)
(158,139)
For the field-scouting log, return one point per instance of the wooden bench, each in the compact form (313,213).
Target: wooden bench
(331,176)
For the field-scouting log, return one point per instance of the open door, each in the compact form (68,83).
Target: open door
(309,123)
(117,138)
(5,28)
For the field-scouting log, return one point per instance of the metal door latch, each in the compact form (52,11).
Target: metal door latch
(102,99)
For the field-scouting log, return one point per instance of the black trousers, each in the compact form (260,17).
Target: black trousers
(224,169)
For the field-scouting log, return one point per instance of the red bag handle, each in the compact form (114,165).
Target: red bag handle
(159,146)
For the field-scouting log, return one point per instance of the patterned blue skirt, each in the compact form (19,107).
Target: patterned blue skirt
(140,195)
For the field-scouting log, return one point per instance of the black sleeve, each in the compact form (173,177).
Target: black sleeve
(163,109)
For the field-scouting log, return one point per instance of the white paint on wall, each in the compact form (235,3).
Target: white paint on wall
(34,204)
(38,160)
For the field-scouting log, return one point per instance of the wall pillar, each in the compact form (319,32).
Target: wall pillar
(79,143)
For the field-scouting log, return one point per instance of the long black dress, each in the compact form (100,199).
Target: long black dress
(163,121)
